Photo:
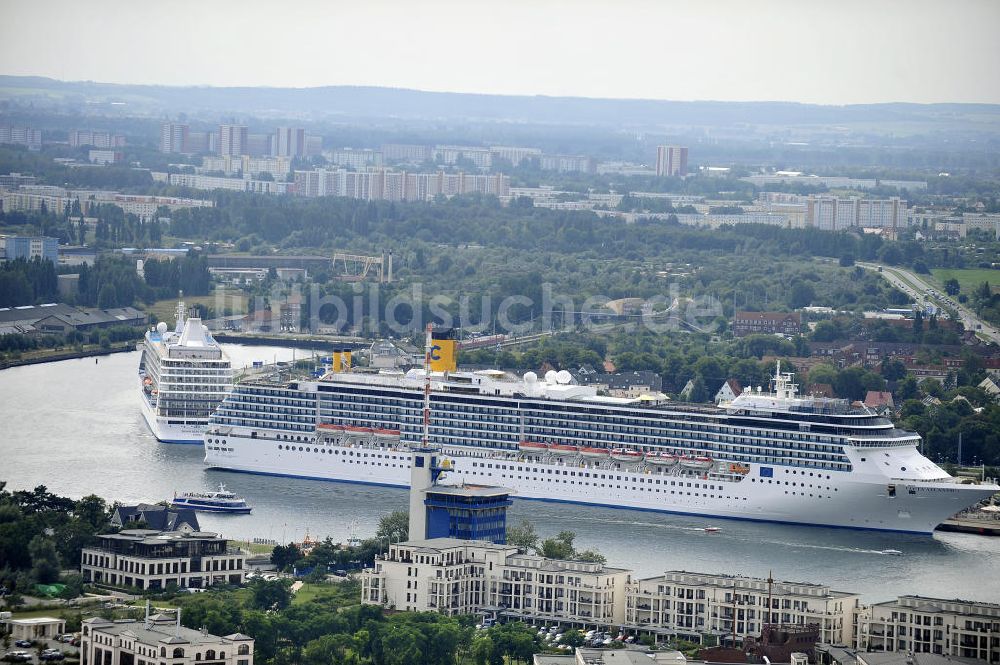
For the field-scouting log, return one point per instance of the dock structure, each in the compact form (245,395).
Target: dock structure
(982,527)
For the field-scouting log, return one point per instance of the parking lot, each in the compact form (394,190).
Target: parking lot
(42,651)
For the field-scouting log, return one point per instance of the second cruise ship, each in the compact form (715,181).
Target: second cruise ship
(183,376)
(767,455)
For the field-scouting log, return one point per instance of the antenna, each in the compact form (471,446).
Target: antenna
(427,385)
(770,581)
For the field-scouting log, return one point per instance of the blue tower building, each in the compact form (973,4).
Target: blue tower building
(468,512)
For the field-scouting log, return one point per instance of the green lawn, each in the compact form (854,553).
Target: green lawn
(310,592)
(968,278)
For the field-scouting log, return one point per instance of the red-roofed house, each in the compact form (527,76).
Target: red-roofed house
(728,392)
(879,401)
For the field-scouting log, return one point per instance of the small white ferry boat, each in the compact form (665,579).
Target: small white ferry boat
(222,501)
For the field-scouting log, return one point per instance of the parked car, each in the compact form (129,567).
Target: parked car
(67,638)
(52,654)
(17,657)
(26,644)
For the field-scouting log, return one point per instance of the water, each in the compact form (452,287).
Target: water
(75,427)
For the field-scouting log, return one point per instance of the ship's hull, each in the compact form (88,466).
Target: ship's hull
(167,432)
(207,508)
(840,500)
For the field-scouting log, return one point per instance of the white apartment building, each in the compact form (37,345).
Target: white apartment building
(699,604)
(26,136)
(105,156)
(96,138)
(467,577)
(356,159)
(157,640)
(148,559)
(835,214)
(174,137)
(289,142)
(515,155)
(671,160)
(931,625)
(403,152)
(277,167)
(386,185)
(198,181)
(982,221)
(833,182)
(450,154)
(714,221)
(568,163)
(233,140)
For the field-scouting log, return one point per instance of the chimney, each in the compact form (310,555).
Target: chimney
(177,627)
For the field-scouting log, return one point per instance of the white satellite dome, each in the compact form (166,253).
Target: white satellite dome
(161,327)
(564,376)
(530,377)
(550,376)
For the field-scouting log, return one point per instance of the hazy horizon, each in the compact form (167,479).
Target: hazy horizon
(849,52)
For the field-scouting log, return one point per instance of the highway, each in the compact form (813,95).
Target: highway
(920,290)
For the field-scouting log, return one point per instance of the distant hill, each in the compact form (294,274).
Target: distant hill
(351,101)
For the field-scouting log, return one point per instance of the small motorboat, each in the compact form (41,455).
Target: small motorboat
(626,455)
(661,459)
(697,463)
(563,449)
(892,552)
(594,453)
(532,447)
(712,529)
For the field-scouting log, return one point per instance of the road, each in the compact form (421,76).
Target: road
(920,290)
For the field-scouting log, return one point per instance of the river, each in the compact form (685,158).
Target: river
(75,427)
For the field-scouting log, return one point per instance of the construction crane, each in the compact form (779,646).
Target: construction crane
(358,268)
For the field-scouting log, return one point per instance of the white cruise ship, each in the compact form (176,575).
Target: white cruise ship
(183,376)
(769,456)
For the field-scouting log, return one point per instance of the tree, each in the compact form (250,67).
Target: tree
(893,370)
(801,295)
(523,536)
(590,556)
(826,331)
(559,547)
(846,260)
(270,594)
(908,389)
(394,527)
(699,393)
(918,324)
(283,556)
(107,297)
(44,560)
(952,287)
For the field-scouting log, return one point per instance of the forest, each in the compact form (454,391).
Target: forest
(112,281)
